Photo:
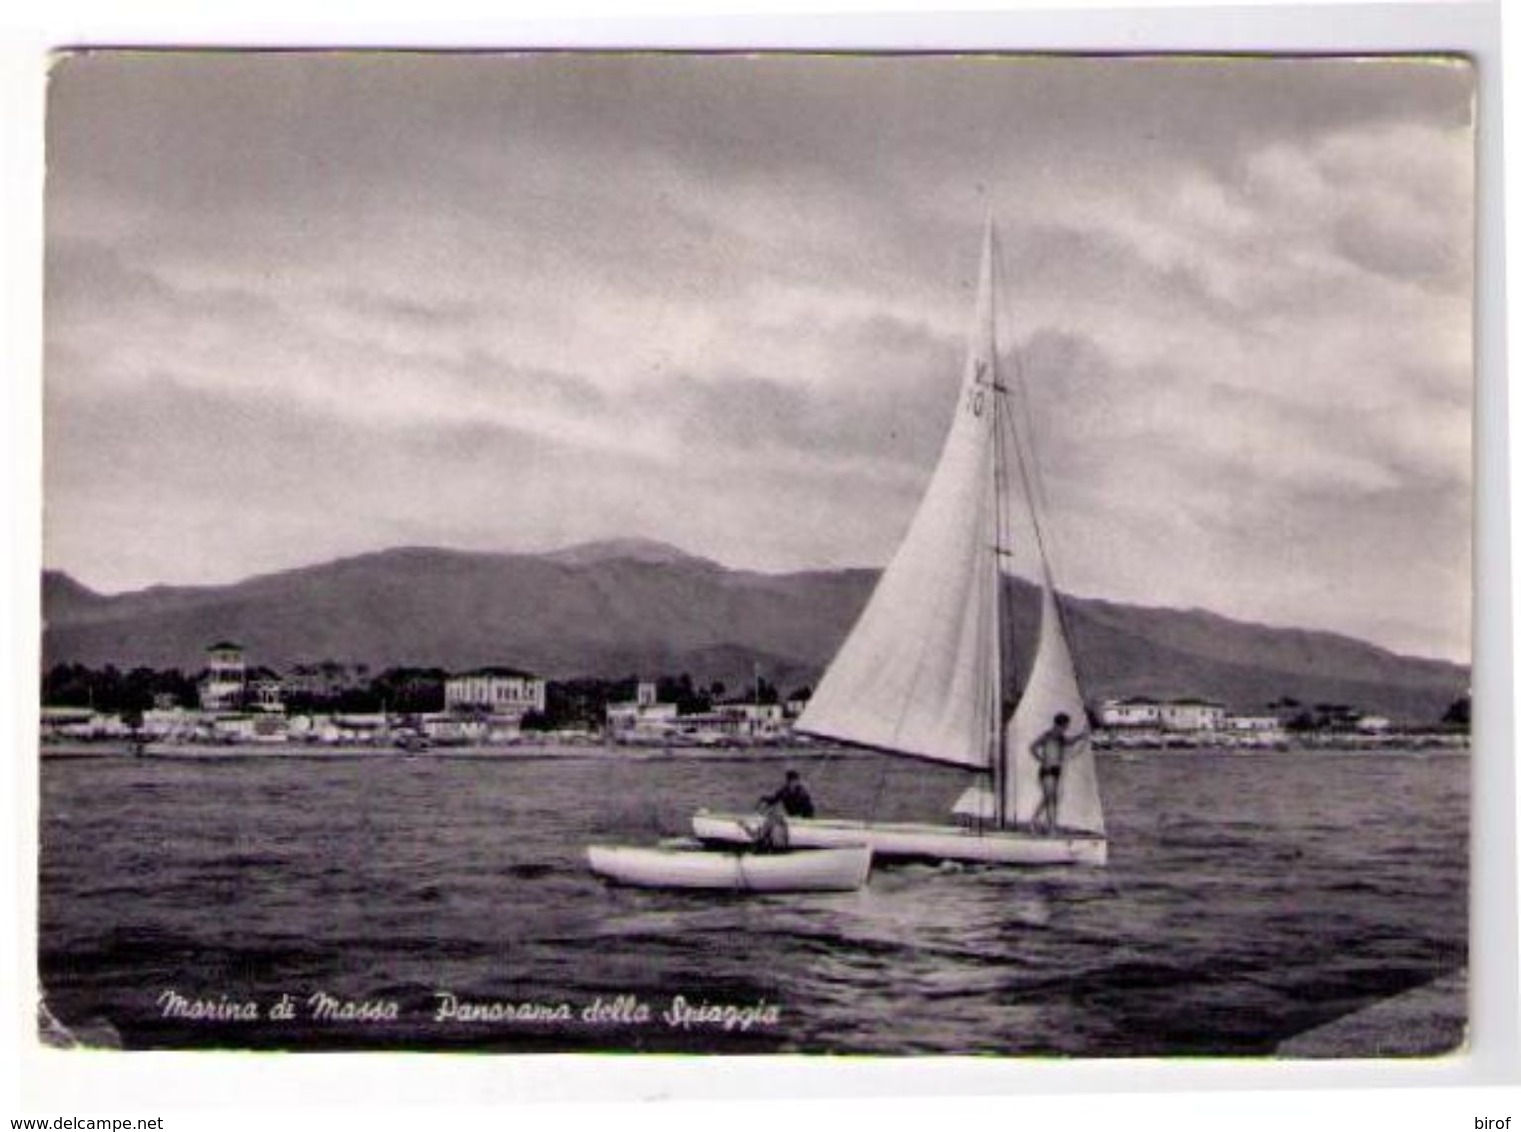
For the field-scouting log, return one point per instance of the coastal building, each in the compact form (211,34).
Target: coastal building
(1191,715)
(265,693)
(370,727)
(249,727)
(221,688)
(643,718)
(1136,711)
(457,729)
(759,721)
(1252,723)
(499,691)
(80,723)
(324,679)
(170,723)
(743,722)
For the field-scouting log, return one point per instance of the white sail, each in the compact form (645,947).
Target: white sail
(920,673)
(1051,690)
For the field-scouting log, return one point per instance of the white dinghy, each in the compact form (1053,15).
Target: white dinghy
(922,841)
(798,870)
(923,672)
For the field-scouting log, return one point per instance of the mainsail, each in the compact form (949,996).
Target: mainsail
(922,671)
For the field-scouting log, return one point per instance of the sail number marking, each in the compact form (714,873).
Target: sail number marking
(976,395)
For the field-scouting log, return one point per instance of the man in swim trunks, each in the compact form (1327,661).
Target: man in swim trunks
(1050,751)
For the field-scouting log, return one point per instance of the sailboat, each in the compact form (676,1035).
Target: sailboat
(922,674)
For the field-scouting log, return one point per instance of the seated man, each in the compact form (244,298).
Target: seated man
(791,800)
(792,797)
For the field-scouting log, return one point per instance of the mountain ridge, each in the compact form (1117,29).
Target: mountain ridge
(621,607)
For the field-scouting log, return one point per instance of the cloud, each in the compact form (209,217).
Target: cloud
(506,302)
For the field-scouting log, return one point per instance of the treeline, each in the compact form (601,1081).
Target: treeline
(404,690)
(113,691)
(578,702)
(1343,717)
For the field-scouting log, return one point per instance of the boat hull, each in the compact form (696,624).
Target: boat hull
(917,842)
(823,870)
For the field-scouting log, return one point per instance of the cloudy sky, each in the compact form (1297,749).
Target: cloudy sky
(303,306)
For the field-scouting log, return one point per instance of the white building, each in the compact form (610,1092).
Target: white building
(266,695)
(1252,723)
(250,727)
(357,727)
(1192,715)
(170,723)
(500,691)
(221,689)
(81,723)
(642,718)
(453,729)
(1137,711)
(760,721)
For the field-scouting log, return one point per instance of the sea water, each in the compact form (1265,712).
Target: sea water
(437,902)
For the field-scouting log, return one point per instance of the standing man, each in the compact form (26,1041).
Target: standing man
(1050,751)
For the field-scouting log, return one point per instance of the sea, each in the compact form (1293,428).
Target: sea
(442,902)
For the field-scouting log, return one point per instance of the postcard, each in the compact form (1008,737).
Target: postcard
(758,553)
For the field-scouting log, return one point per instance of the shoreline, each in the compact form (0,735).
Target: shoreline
(211,752)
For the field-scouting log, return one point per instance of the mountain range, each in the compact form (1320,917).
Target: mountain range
(632,606)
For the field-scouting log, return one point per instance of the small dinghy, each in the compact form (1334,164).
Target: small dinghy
(683,866)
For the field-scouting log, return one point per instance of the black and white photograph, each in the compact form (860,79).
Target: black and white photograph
(737,553)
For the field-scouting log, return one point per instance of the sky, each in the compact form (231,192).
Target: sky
(307,305)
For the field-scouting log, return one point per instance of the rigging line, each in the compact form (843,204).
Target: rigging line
(1035,495)
(1058,599)
(1034,481)
(827,763)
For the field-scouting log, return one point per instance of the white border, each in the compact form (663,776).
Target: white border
(47,1083)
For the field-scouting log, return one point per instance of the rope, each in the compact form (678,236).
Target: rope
(1036,500)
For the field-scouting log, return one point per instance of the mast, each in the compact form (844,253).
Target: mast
(999,756)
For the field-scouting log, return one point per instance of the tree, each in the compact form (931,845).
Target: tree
(1302,721)
(411,691)
(682,693)
(1458,713)
(68,685)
